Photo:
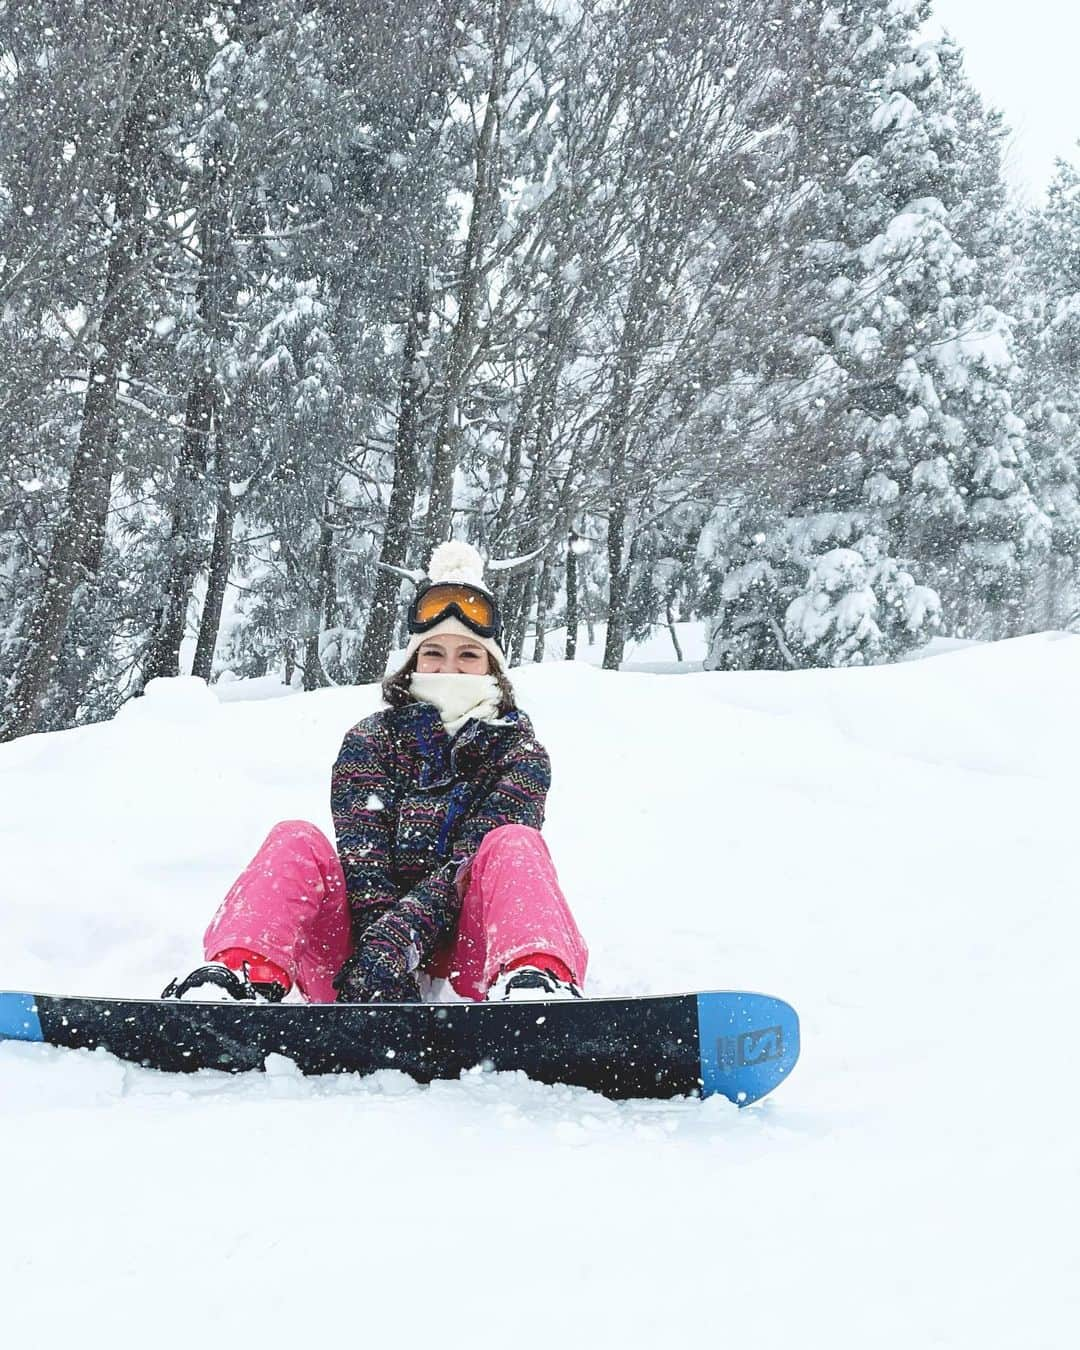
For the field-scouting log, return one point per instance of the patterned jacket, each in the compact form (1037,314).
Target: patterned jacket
(410,805)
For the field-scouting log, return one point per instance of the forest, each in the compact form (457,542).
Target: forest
(719,311)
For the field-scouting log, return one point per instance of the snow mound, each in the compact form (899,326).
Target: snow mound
(184,699)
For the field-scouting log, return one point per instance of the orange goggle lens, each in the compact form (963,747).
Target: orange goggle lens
(474,605)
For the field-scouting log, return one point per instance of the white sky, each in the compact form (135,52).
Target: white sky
(1022,57)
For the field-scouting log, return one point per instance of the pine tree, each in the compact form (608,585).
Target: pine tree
(893,373)
(1050,279)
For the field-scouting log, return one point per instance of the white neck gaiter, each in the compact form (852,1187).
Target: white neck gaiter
(458,697)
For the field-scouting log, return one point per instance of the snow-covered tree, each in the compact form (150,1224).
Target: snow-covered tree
(1051,285)
(892,373)
(725,296)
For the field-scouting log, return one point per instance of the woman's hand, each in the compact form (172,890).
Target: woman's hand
(381,968)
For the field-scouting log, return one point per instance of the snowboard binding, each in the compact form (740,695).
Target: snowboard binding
(531,982)
(198,987)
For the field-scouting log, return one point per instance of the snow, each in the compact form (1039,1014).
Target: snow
(891,849)
(897,111)
(988,347)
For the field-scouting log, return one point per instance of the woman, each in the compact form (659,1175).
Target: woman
(440,870)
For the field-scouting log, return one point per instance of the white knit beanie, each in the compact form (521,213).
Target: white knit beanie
(457,561)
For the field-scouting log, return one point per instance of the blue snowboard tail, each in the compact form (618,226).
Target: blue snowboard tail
(737,1044)
(748,1043)
(18,1018)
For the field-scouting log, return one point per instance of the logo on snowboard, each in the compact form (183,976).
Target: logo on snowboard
(752,1047)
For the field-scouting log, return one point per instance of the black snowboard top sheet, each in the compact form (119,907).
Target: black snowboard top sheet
(738,1044)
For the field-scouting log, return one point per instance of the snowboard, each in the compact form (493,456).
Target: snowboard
(740,1045)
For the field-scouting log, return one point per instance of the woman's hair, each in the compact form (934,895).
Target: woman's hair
(396,692)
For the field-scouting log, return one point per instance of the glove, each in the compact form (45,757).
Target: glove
(381,969)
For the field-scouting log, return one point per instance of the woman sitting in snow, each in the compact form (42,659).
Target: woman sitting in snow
(440,870)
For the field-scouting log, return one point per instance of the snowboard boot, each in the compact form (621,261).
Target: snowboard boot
(233,974)
(531,982)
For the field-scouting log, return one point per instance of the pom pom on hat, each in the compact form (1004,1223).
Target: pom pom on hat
(457,561)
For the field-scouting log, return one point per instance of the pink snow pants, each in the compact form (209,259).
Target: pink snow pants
(289,906)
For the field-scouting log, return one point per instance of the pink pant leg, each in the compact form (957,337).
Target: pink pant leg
(512,906)
(289,905)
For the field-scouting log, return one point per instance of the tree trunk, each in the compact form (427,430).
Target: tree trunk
(530,531)
(618,585)
(571,598)
(314,675)
(328,601)
(522,587)
(182,551)
(76,551)
(500,535)
(543,600)
(618,436)
(504,542)
(213,293)
(314,678)
(378,635)
(445,453)
(220,563)
(674,634)
(515,651)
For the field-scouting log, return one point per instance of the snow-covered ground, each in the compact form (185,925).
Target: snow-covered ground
(892,850)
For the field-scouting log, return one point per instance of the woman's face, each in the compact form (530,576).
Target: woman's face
(448,654)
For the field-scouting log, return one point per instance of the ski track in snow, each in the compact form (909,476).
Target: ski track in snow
(891,850)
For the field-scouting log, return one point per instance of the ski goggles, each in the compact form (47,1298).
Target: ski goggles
(476,609)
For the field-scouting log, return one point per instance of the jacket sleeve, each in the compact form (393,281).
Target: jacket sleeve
(431,907)
(364,809)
